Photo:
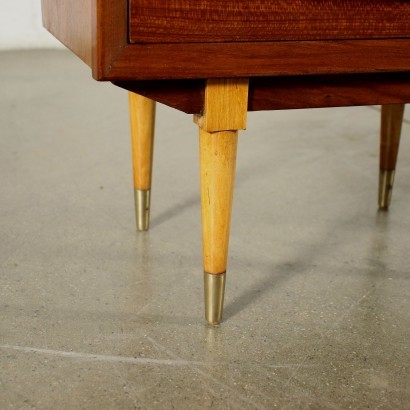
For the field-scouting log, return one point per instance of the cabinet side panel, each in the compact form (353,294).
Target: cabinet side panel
(70,21)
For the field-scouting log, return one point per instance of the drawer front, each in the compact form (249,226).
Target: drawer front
(180,21)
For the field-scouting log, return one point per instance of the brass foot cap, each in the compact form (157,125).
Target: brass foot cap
(386,180)
(214,297)
(142,208)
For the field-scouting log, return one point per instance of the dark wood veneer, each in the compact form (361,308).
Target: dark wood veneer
(258,20)
(213,60)
(281,93)
(70,22)
(114,59)
(284,74)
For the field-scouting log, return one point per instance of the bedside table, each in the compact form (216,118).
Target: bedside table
(219,60)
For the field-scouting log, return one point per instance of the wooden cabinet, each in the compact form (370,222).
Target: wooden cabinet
(220,59)
(339,44)
(144,39)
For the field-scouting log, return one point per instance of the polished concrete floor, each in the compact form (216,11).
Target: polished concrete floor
(96,316)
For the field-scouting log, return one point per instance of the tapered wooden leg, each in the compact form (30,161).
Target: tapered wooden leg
(142,115)
(224,114)
(218,161)
(391,121)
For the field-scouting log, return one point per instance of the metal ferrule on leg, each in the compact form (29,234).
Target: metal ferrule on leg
(386,181)
(214,286)
(142,208)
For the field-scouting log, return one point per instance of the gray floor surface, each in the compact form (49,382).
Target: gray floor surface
(94,315)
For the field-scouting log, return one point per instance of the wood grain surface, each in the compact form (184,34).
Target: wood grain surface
(142,119)
(230,110)
(258,20)
(71,22)
(279,93)
(106,48)
(228,60)
(218,165)
(218,149)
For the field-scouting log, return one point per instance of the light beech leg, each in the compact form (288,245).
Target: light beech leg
(391,122)
(142,116)
(225,113)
